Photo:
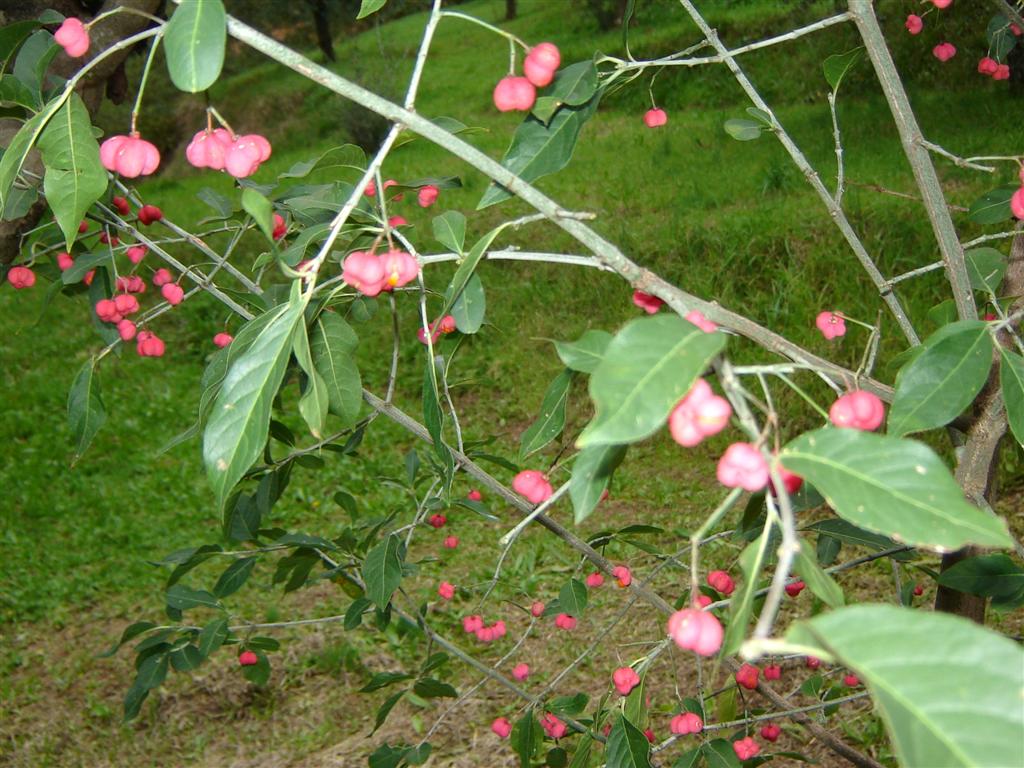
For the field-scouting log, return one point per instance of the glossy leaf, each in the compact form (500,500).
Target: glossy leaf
(820,583)
(627,746)
(185,598)
(385,709)
(240,420)
(572,599)
(591,473)
(1011,379)
(985,268)
(996,576)
(1001,39)
(939,384)
(718,753)
(234,577)
(573,85)
(896,487)
(948,690)
(647,368)
(743,130)
(382,570)
(194,44)
(551,421)
(538,149)
(17,150)
(450,230)
(213,635)
(314,401)
(468,267)
(848,533)
(429,688)
(993,207)
(471,306)
(369,6)
(86,412)
(741,608)
(586,353)
(526,738)
(836,67)
(344,156)
(262,212)
(333,345)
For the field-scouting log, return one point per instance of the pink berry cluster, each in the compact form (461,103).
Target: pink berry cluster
(221,150)
(73,37)
(444,326)
(831,324)
(1017,199)
(129,156)
(520,93)
(655,118)
(370,274)
(474,625)
(532,486)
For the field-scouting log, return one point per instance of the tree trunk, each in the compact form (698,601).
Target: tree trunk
(510,10)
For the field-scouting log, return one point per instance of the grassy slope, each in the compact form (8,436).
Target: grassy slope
(725,219)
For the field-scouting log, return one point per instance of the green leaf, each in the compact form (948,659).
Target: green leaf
(429,688)
(450,230)
(572,599)
(333,345)
(848,533)
(899,488)
(995,576)
(13,35)
(433,416)
(551,421)
(948,690)
(343,156)
(75,178)
(1001,39)
(742,606)
(262,212)
(627,746)
(383,680)
(985,268)
(84,263)
(647,368)
(194,44)
(525,738)
(17,150)
(1011,379)
(938,385)
(586,353)
(34,59)
(238,426)
(13,91)
(469,309)
(538,149)
(186,658)
(838,65)
(382,570)
(718,753)
(942,314)
(468,267)
(591,473)
(185,598)
(130,633)
(819,582)
(314,402)
(574,85)
(369,6)
(993,207)
(688,759)
(743,130)
(385,709)
(86,412)
(234,577)
(213,635)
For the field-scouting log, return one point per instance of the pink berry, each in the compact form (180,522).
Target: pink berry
(147,344)
(1016,30)
(791,482)
(944,51)
(533,486)
(399,269)
(743,466)
(126,329)
(397,221)
(65,261)
(812,662)
(485,635)
(161,277)
(223,339)
(502,727)
(622,575)
(772,672)
(73,37)
(471,624)
(795,588)
(474,495)
(427,195)
(1017,203)
(364,271)
(521,671)
(126,304)
(698,319)
(857,410)
(685,723)
(106,310)
(136,284)
(655,118)
(136,253)
(747,676)
(625,680)
(702,601)
(831,324)
(173,293)
(696,630)
(649,733)
(721,581)
(446,590)
(700,414)
(594,580)
(942,4)
(988,66)
(914,24)
(537,609)
(280,227)
(514,93)
(149,213)
(243,157)
(1002,72)
(565,621)
(129,156)
(247,658)
(646,302)
(447,324)
(553,727)
(918,590)
(851,681)
(541,63)
(437,520)
(771,732)
(120,205)
(21,277)
(209,148)
(746,748)
(451,542)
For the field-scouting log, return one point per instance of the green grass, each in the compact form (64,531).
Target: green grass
(727,220)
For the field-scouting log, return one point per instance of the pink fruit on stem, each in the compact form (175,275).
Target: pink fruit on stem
(451,542)
(280,227)
(696,630)
(646,302)
(914,24)
(64,261)
(208,149)
(537,609)
(625,680)
(106,311)
(771,732)
(126,329)
(471,624)
(541,63)
(446,590)
(474,495)
(942,4)
(721,581)
(772,672)
(790,481)
(126,304)
(565,621)
(747,675)
(622,576)
(686,723)
(553,727)
(918,590)
(223,339)
(502,727)
(746,748)
(397,221)
(130,156)
(73,37)
(147,344)
(851,681)
(437,520)
(247,658)
(698,319)
(944,51)
(364,271)
(173,293)
(149,213)
(1002,72)
(655,118)
(1017,202)
(136,253)
(120,205)
(243,157)
(521,671)
(162,277)
(812,662)
(21,277)
(988,66)
(514,93)
(400,268)
(743,466)
(427,195)
(594,580)
(831,324)
(857,410)
(700,414)
(795,588)
(533,486)
(702,601)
